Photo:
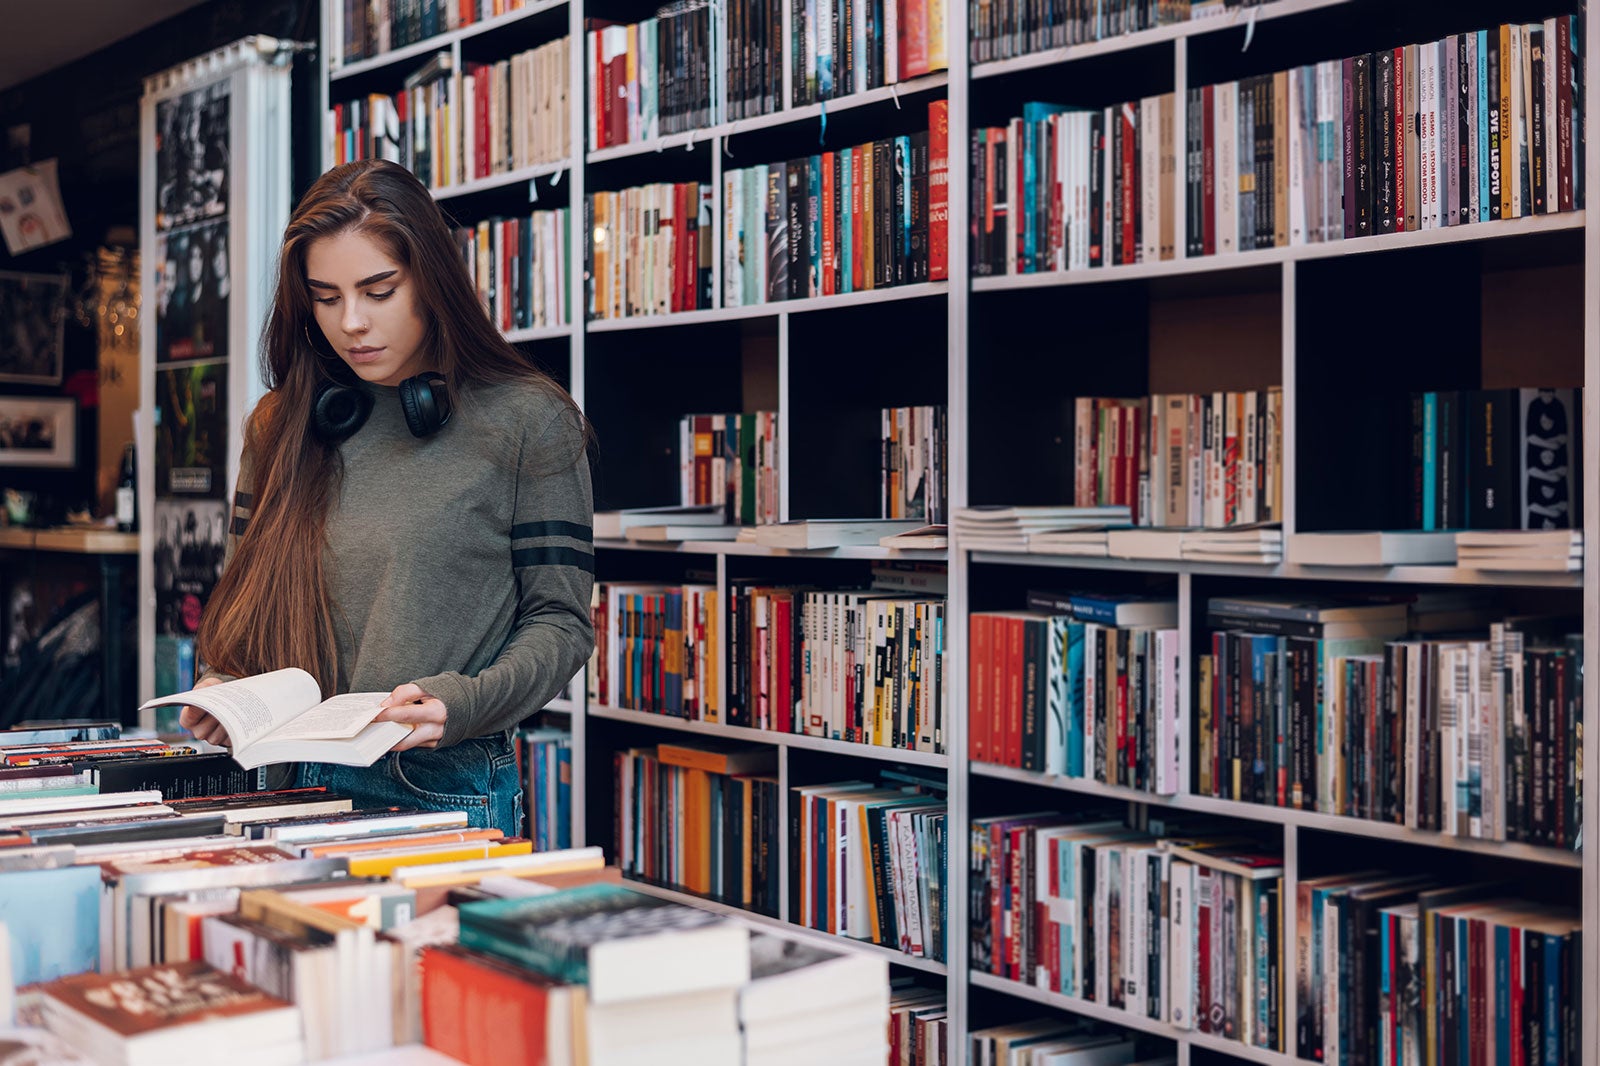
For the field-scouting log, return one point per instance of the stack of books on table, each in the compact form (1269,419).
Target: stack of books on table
(1012,529)
(1520,549)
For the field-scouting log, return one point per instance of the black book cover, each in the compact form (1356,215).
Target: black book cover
(1539,125)
(181,776)
(1365,147)
(918,270)
(795,202)
(1383,99)
(899,239)
(997,235)
(1114,146)
(1264,152)
(1097,192)
(1034,683)
(1447,461)
(1492,72)
(1490,417)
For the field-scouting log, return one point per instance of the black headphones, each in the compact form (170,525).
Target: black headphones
(340,409)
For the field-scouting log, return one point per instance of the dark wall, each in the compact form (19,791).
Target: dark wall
(86,114)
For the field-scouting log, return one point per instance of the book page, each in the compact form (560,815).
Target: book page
(335,718)
(252,707)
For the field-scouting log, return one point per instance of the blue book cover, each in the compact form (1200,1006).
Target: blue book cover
(1074,679)
(1258,679)
(814,229)
(1430,451)
(674,678)
(563,826)
(53,917)
(1502,995)
(902,174)
(1551,998)
(1463,987)
(540,783)
(843,244)
(1035,117)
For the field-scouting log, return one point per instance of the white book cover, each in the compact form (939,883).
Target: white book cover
(1299,138)
(1149,178)
(1179,958)
(1226,167)
(1377,548)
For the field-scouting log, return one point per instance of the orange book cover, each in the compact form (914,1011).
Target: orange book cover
(978,689)
(827,222)
(383,864)
(484,1012)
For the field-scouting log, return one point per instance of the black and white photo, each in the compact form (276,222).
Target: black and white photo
(193,287)
(33,310)
(190,542)
(192,157)
(38,431)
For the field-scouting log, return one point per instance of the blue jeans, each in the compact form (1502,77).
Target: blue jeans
(478,776)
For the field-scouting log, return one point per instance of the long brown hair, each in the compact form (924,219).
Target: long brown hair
(271,608)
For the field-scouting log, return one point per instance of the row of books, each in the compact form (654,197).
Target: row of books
(1392,969)
(370,28)
(1496,459)
(702,818)
(1182,459)
(870,864)
(545,756)
(862,666)
(916,463)
(655,649)
(1062,689)
(866,217)
(655,77)
(855,45)
(450,126)
(1002,29)
(318,930)
(1056,1041)
(850,46)
(919,1023)
(648,249)
(1473,128)
(1184,930)
(1477,738)
(519,268)
(730,461)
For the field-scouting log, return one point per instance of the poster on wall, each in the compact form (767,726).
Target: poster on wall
(192,291)
(188,560)
(33,312)
(192,157)
(192,430)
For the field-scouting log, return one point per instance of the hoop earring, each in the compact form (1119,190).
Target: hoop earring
(306,329)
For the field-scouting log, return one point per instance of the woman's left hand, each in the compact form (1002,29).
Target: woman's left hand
(425,715)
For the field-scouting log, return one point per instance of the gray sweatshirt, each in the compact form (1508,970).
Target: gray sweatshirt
(462,561)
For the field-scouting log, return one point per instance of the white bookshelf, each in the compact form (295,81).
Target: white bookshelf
(967,306)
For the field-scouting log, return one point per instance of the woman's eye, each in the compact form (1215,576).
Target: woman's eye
(325,299)
(381,295)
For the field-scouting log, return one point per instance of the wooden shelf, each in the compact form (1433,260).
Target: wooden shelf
(1411,575)
(1238,18)
(1220,264)
(1115,1016)
(70,541)
(875,752)
(894,294)
(538,333)
(440,42)
(1287,816)
(840,943)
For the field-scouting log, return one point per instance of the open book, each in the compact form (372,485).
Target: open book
(282,717)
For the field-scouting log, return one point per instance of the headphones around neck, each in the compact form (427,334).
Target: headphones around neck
(340,409)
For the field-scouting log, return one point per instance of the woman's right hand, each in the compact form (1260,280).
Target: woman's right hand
(200,723)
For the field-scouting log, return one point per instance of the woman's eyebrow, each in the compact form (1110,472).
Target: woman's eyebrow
(315,284)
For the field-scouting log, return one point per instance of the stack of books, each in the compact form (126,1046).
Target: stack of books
(1011,529)
(1553,550)
(1261,543)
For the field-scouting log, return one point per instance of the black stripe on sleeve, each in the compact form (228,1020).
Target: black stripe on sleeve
(552,528)
(553,557)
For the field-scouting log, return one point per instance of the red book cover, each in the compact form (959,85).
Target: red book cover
(1477,994)
(686,206)
(465,994)
(1208,172)
(858,247)
(829,228)
(783,635)
(938,191)
(604,91)
(1519,1051)
(999,669)
(1204,886)
(1128,114)
(146,1001)
(1126,751)
(1016,630)
(617,102)
(977,689)
(1018,142)
(1017,840)
(480,120)
(914,60)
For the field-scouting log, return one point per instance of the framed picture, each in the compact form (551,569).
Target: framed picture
(38,431)
(33,311)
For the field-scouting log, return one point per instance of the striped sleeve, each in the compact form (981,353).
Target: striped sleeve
(552,558)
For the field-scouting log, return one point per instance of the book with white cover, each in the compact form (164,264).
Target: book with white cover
(674,532)
(923,538)
(281,717)
(1407,547)
(1039,517)
(611,525)
(1089,542)
(817,533)
(1146,543)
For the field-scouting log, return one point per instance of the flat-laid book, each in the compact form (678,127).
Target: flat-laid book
(281,717)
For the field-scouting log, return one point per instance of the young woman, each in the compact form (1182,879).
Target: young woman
(413,513)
